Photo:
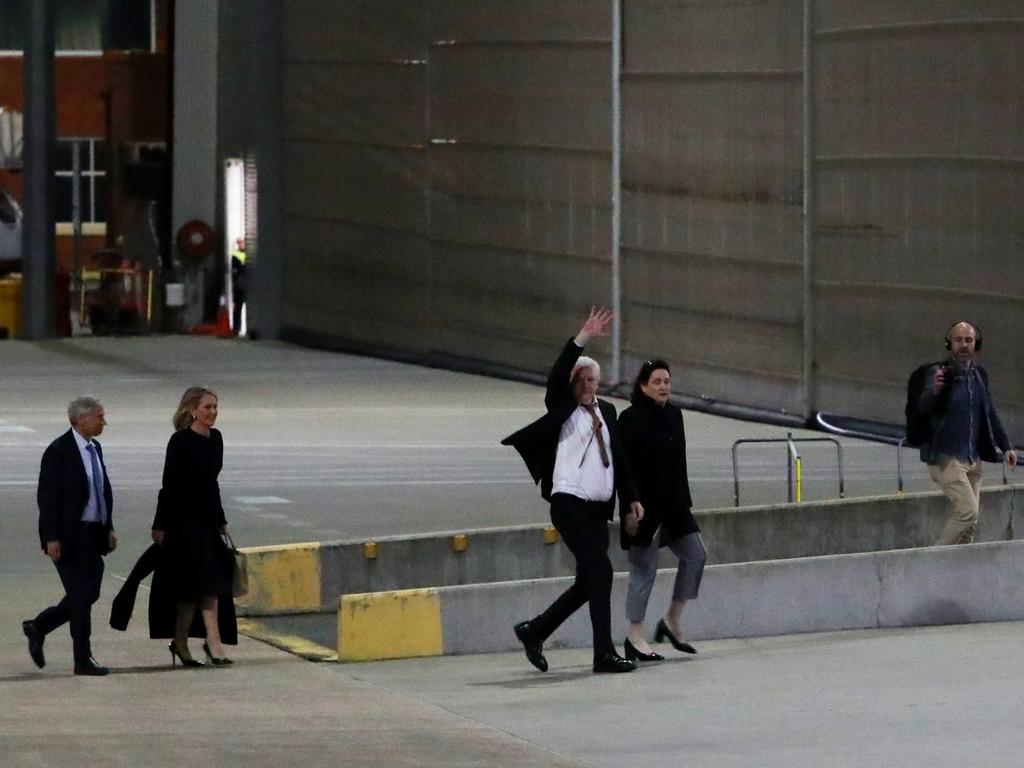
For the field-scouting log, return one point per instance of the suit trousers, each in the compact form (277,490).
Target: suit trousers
(961,482)
(583,526)
(81,570)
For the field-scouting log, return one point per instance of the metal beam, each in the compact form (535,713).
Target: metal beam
(38,250)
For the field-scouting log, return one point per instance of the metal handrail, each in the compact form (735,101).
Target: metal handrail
(793,459)
(899,466)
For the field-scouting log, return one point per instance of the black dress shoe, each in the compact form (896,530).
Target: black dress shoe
(663,632)
(534,650)
(634,655)
(612,662)
(35,642)
(92,668)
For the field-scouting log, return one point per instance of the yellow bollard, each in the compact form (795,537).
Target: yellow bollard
(550,535)
(370,550)
(460,542)
(799,480)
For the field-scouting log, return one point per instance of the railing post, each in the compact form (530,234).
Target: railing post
(735,476)
(899,466)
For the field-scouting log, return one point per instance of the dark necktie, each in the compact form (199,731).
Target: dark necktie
(97,483)
(598,433)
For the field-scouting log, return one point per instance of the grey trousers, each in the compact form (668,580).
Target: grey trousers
(643,568)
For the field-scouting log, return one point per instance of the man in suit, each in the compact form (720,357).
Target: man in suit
(75,530)
(573,452)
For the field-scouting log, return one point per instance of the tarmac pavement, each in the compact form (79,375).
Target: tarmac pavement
(323,446)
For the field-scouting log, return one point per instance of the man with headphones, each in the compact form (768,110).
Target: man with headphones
(965,430)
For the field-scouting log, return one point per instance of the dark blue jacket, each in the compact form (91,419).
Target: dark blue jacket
(992,438)
(63,492)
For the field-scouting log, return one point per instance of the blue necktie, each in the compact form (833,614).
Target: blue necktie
(97,484)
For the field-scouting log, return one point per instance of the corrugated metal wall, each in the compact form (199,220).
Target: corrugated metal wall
(447,169)
(712,196)
(919,169)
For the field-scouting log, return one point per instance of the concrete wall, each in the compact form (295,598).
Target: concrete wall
(941,585)
(309,577)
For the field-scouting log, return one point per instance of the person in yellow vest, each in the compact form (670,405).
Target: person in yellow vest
(238,283)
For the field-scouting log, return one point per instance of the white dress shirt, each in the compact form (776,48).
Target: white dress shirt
(579,470)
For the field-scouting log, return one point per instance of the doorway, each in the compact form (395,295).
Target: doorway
(234,243)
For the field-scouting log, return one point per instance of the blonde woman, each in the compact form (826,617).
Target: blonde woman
(191,593)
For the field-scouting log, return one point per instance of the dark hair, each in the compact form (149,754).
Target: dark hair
(649,367)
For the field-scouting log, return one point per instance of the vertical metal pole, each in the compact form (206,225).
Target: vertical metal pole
(789,467)
(38,249)
(76,208)
(809,395)
(616,71)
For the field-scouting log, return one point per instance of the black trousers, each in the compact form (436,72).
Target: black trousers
(81,570)
(583,526)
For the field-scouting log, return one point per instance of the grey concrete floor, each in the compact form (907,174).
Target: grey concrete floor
(322,446)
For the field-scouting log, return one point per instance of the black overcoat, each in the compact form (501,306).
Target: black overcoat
(193,561)
(654,440)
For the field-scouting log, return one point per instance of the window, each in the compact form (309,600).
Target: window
(93,162)
(85,25)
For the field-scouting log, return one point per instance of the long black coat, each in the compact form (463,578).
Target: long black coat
(63,492)
(193,560)
(654,441)
(537,442)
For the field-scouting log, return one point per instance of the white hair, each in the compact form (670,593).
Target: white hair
(81,407)
(583,363)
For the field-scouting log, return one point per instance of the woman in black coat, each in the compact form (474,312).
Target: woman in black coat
(655,445)
(195,568)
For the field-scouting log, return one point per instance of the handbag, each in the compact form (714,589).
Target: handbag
(240,569)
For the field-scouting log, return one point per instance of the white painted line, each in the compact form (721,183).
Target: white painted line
(257,500)
(15,428)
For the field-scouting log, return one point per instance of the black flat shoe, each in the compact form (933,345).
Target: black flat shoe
(217,661)
(609,663)
(632,654)
(35,642)
(185,658)
(92,668)
(534,651)
(664,633)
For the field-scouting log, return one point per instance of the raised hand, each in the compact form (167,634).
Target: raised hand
(596,324)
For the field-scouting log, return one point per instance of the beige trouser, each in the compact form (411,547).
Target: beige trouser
(961,482)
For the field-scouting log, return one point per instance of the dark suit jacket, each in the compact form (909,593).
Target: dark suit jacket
(537,443)
(64,492)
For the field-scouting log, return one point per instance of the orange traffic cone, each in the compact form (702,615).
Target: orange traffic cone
(223,324)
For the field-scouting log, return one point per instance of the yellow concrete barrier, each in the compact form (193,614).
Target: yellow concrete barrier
(282,579)
(390,625)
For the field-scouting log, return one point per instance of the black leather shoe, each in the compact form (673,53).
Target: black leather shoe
(35,642)
(534,651)
(612,662)
(92,668)
(632,654)
(663,632)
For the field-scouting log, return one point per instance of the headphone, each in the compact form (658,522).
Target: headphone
(977,334)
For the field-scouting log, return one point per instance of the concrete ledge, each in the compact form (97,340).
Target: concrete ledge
(282,579)
(746,534)
(389,625)
(935,585)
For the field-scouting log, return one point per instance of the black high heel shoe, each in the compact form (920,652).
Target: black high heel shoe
(177,655)
(217,661)
(663,632)
(630,652)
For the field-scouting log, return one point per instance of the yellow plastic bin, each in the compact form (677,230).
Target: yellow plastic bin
(10,307)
